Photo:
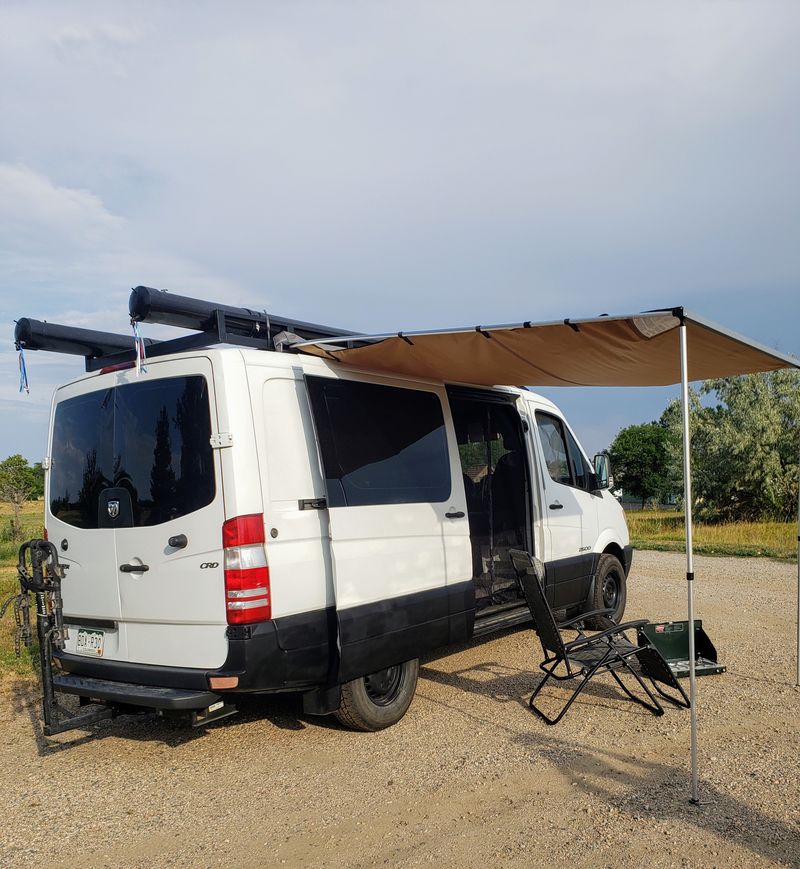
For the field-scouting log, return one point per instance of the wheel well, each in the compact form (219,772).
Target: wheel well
(615,549)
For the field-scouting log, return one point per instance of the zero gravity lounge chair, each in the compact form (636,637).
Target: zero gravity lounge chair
(607,651)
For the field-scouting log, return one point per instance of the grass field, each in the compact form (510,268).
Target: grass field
(661,529)
(32,519)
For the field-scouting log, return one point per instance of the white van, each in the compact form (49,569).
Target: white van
(235,520)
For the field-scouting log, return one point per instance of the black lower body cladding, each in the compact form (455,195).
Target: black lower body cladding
(627,558)
(300,652)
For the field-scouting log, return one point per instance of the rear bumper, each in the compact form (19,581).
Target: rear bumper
(280,655)
(130,694)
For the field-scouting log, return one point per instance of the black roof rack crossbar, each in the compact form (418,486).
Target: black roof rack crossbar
(219,334)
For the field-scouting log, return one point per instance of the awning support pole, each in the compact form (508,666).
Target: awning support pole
(797,656)
(687,508)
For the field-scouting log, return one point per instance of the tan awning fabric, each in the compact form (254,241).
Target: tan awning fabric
(640,350)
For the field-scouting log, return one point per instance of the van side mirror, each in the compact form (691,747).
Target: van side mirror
(602,471)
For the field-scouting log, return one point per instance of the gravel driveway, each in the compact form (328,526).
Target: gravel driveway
(468,778)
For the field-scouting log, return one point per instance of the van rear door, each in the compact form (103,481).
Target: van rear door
(151,483)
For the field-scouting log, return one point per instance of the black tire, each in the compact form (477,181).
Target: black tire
(610,590)
(380,699)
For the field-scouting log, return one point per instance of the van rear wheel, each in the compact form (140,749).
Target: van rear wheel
(610,592)
(379,699)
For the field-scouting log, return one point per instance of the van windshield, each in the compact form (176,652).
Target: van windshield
(132,455)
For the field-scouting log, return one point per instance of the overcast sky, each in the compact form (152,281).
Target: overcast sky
(384,166)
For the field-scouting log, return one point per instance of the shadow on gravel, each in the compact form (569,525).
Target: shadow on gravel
(284,711)
(660,791)
(512,685)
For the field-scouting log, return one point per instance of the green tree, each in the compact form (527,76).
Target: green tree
(37,475)
(640,460)
(745,448)
(17,485)
(748,447)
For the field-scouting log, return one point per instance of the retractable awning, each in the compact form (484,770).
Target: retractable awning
(636,350)
(649,349)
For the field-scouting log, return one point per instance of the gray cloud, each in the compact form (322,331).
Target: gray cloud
(402,165)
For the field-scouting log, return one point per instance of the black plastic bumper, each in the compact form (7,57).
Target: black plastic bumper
(130,694)
(628,558)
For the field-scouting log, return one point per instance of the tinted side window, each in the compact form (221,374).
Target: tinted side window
(579,464)
(149,441)
(380,444)
(554,446)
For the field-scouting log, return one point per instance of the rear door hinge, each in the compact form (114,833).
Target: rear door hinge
(46,463)
(221,439)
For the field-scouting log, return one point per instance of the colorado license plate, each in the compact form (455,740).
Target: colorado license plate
(90,642)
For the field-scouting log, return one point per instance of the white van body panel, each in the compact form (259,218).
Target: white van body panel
(297,540)
(612,528)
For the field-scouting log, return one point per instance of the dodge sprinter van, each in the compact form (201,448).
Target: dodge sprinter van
(235,520)
(238,512)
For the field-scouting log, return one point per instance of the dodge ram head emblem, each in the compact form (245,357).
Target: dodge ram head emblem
(113,509)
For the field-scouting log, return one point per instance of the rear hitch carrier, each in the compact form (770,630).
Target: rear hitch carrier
(214,712)
(40,574)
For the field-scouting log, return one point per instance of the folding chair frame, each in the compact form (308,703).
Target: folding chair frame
(613,654)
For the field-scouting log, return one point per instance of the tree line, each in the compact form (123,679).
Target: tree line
(745,443)
(19,482)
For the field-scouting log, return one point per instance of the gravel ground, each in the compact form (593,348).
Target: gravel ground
(468,778)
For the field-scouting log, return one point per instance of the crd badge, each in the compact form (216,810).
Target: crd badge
(113,509)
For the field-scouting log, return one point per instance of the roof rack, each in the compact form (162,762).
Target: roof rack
(213,322)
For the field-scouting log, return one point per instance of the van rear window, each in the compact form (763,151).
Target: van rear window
(140,451)
(380,444)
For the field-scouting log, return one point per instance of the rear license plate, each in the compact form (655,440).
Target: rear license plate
(90,642)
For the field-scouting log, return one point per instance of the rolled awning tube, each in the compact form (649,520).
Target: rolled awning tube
(147,305)
(38,335)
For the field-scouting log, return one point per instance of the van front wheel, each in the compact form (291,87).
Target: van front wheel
(610,592)
(379,699)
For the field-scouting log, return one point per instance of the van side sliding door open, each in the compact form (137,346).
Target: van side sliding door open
(496,480)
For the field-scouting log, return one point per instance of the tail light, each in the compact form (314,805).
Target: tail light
(247,594)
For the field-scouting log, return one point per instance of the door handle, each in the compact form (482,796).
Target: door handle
(455,514)
(134,568)
(556,506)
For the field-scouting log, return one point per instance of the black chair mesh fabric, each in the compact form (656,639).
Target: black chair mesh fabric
(546,627)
